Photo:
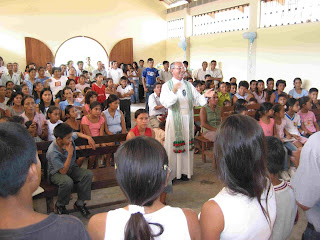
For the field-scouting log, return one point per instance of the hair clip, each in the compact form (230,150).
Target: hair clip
(115,166)
(165,167)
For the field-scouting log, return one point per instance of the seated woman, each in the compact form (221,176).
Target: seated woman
(210,118)
(142,172)
(114,119)
(141,117)
(46,100)
(246,207)
(38,119)
(297,92)
(15,107)
(280,85)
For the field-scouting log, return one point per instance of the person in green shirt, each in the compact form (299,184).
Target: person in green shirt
(223,94)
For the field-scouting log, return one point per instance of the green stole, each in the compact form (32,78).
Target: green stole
(179,143)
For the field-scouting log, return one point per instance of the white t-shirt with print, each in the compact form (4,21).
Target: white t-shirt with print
(292,124)
(121,90)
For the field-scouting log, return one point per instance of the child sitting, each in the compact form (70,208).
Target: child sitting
(82,83)
(91,96)
(264,115)
(125,91)
(53,119)
(252,101)
(313,94)
(197,86)
(141,129)
(285,200)
(64,172)
(241,109)
(282,99)
(308,119)
(111,88)
(72,121)
(233,90)
(226,103)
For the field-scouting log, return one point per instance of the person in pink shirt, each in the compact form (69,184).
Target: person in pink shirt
(263,115)
(308,119)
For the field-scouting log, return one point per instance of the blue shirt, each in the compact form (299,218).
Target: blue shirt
(150,74)
(65,103)
(296,95)
(42,80)
(113,123)
(56,158)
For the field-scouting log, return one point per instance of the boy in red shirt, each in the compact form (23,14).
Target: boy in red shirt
(99,88)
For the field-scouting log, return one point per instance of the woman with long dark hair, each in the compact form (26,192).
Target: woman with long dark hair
(46,100)
(142,172)
(246,207)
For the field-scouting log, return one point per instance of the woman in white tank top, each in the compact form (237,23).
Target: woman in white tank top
(245,209)
(142,172)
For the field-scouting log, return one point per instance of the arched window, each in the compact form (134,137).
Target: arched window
(78,49)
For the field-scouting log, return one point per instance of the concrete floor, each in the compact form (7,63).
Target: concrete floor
(192,194)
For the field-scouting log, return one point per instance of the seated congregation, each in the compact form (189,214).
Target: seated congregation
(272,135)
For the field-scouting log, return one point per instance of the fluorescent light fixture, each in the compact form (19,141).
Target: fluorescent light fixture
(178,3)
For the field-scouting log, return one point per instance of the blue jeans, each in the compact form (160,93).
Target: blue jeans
(135,96)
(150,91)
(290,146)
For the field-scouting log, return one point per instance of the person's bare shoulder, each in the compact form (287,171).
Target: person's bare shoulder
(97,226)
(193,223)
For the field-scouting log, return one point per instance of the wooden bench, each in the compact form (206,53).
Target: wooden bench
(316,113)
(103,177)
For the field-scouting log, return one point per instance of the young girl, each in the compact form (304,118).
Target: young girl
(53,119)
(260,94)
(72,121)
(37,88)
(264,115)
(68,94)
(46,100)
(90,97)
(82,83)
(308,119)
(141,129)
(114,119)
(248,196)
(71,83)
(99,88)
(15,107)
(142,171)
(25,89)
(280,85)
(293,122)
(297,92)
(110,89)
(93,125)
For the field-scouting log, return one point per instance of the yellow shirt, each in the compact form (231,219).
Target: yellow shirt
(222,98)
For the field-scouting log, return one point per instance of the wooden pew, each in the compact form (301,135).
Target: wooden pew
(103,177)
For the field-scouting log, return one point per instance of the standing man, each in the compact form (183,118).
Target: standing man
(149,77)
(270,86)
(141,90)
(156,109)
(70,65)
(10,76)
(80,68)
(63,68)
(179,97)
(202,72)
(188,73)
(100,70)
(48,72)
(215,73)
(3,69)
(89,67)
(17,71)
(115,73)
(164,74)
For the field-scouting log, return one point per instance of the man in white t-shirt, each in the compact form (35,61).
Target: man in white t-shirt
(88,66)
(155,106)
(202,72)
(80,68)
(63,68)
(10,76)
(3,98)
(215,73)
(3,69)
(17,71)
(48,72)
(101,70)
(56,82)
(306,185)
(164,74)
(115,73)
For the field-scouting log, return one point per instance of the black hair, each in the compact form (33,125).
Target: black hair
(240,152)
(62,130)
(141,173)
(2,86)
(84,72)
(60,95)
(17,119)
(303,101)
(67,109)
(140,111)
(275,155)
(13,95)
(244,84)
(39,68)
(82,76)
(56,68)
(86,89)
(207,75)
(79,62)
(137,66)
(164,62)
(208,83)
(70,80)
(233,84)
(238,109)
(203,82)
(290,103)
(41,104)
(124,67)
(18,151)
(156,84)
(51,109)
(25,98)
(240,102)
(6,118)
(32,69)
(281,81)
(66,88)
(196,83)
(94,104)
(277,108)
(231,79)
(34,92)
(18,88)
(97,75)
(112,98)
(141,60)
(8,83)
(253,81)
(282,95)
(220,83)
(213,61)
(123,78)
(257,90)
(89,95)
(311,90)
(264,108)
(253,100)
(186,63)
(296,79)
(225,102)
(270,80)
(150,59)
(228,84)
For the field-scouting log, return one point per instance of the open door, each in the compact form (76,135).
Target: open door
(37,52)
(122,52)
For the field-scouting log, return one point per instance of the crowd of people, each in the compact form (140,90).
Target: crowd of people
(256,159)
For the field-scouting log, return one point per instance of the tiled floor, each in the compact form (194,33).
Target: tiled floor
(192,194)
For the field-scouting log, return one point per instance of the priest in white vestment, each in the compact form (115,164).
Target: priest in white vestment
(179,97)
